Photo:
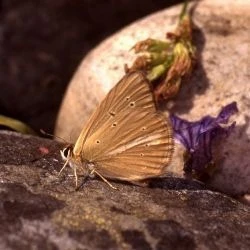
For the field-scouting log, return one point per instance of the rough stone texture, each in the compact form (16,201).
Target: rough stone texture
(222,38)
(39,210)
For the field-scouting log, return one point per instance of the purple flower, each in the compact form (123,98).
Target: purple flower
(197,138)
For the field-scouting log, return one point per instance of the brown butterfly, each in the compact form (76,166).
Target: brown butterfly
(125,138)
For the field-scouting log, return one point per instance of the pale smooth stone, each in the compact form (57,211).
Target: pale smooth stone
(222,76)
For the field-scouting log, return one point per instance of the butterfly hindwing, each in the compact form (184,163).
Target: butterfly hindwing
(134,145)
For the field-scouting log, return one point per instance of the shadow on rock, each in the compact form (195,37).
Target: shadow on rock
(171,235)
(175,183)
(18,203)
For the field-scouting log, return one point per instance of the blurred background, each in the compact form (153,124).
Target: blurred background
(43,41)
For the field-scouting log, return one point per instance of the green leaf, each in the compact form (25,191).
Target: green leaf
(16,125)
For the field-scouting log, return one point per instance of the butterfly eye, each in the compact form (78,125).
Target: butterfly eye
(132,104)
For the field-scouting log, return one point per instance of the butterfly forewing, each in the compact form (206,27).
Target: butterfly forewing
(132,92)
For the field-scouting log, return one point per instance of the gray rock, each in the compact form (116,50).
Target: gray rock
(39,210)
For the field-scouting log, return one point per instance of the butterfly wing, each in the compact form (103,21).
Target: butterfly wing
(131,92)
(135,145)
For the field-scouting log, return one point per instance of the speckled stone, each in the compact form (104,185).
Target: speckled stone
(39,210)
(222,38)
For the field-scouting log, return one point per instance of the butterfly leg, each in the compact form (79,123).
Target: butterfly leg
(65,164)
(84,180)
(76,176)
(104,179)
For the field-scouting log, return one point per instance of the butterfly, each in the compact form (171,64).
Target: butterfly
(126,138)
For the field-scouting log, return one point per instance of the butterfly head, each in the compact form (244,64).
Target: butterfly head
(67,152)
(75,162)
(70,158)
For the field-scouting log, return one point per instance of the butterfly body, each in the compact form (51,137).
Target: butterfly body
(125,138)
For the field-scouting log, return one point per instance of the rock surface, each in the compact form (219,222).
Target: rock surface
(39,210)
(222,38)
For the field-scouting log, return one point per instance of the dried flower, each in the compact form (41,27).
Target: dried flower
(167,62)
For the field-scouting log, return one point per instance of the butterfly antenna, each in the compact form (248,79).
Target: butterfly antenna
(104,179)
(48,134)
